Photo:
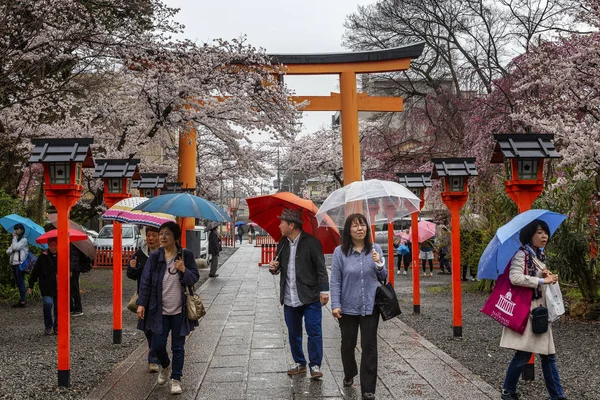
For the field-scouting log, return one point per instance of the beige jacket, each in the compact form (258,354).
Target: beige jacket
(528,341)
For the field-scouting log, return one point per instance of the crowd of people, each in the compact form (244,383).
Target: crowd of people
(164,271)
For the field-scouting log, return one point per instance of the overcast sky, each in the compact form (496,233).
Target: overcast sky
(279,26)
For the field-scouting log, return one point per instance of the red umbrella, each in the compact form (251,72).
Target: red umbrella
(264,211)
(86,246)
(74,236)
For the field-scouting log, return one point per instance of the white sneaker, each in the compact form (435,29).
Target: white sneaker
(163,376)
(176,387)
(403,272)
(153,367)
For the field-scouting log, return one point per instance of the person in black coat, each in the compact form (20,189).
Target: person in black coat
(135,269)
(304,290)
(213,251)
(74,255)
(44,271)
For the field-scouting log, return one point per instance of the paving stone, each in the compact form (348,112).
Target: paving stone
(229,361)
(231,351)
(229,374)
(214,391)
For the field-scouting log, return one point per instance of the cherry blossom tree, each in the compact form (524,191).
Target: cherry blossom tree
(109,70)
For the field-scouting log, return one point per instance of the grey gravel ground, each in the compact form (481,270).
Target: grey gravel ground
(577,342)
(29,370)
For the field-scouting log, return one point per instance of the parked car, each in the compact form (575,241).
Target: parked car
(92,235)
(131,236)
(203,240)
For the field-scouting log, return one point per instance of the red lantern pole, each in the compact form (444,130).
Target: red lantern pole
(110,200)
(415,263)
(117,282)
(454,201)
(63,204)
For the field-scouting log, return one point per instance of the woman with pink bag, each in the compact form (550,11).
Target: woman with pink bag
(525,273)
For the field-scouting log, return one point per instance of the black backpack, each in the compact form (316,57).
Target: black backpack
(85,263)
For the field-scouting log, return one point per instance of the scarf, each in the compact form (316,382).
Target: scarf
(531,269)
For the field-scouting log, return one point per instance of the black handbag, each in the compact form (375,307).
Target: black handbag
(539,320)
(387,301)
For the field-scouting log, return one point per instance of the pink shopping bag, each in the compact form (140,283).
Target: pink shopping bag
(509,304)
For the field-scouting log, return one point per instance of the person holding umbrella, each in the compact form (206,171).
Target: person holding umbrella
(524,272)
(162,302)
(356,268)
(135,269)
(44,271)
(304,289)
(17,253)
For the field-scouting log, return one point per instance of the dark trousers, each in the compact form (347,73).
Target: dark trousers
(444,263)
(50,305)
(313,316)
(424,265)
(551,377)
(75,293)
(152,359)
(19,277)
(349,325)
(171,323)
(214,263)
(404,259)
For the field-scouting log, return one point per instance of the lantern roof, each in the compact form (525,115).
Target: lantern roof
(124,168)
(65,150)
(150,181)
(414,179)
(453,167)
(172,187)
(535,145)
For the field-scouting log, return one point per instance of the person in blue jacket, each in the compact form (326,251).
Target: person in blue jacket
(162,302)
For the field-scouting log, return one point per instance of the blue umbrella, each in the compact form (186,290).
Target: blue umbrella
(240,223)
(184,205)
(506,242)
(32,230)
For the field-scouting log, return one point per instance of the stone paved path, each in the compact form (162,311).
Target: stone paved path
(240,351)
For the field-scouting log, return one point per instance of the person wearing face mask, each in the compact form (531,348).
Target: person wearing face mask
(135,268)
(523,272)
(356,268)
(44,271)
(17,253)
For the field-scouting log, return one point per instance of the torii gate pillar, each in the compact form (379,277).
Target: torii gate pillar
(348,101)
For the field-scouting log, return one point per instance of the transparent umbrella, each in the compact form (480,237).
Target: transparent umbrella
(375,199)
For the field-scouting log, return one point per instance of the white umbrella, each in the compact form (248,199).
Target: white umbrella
(374,198)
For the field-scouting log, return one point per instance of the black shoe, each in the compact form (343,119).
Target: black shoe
(213,276)
(48,331)
(19,305)
(368,396)
(348,382)
(506,395)
(76,313)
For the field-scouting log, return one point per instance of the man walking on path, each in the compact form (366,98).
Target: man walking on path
(304,289)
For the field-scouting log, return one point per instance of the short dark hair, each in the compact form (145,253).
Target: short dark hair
(174,228)
(21,227)
(52,239)
(152,229)
(297,225)
(530,229)
(347,238)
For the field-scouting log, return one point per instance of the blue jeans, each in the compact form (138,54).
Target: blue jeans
(49,304)
(151,356)
(312,318)
(551,377)
(159,345)
(19,277)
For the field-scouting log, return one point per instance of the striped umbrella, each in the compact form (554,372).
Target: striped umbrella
(123,212)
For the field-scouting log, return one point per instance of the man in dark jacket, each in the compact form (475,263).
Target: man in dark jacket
(75,255)
(213,251)
(304,290)
(45,271)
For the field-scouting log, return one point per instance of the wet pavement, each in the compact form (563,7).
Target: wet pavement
(240,351)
